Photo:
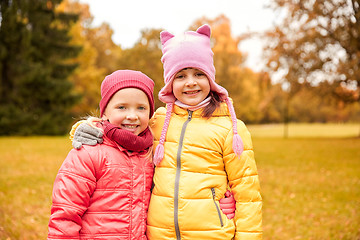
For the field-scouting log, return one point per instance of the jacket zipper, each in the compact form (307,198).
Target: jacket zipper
(217,207)
(177,177)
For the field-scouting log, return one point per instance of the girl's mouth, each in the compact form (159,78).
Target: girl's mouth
(192,92)
(130,127)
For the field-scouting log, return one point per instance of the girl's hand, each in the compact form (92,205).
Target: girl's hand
(228,205)
(86,134)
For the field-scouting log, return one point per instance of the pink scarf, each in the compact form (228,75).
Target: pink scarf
(128,140)
(202,104)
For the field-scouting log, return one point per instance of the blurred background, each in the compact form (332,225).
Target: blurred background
(291,67)
(299,61)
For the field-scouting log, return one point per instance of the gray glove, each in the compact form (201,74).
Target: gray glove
(86,134)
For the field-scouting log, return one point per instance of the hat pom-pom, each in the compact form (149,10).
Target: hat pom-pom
(238,145)
(159,154)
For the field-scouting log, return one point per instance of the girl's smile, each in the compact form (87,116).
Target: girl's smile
(130,127)
(191,92)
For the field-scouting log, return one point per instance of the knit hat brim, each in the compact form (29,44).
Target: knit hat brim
(121,79)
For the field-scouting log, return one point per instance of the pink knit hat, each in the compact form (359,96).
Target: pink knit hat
(126,79)
(190,50)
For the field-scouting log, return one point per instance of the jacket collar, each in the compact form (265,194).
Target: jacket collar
(221,111)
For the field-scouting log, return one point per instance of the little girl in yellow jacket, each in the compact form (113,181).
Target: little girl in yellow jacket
(201,149)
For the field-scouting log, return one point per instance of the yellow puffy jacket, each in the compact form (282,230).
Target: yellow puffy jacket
(198,166)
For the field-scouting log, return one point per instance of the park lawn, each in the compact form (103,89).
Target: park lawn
(28,167)
(310,188)
(314,130)
(310,185)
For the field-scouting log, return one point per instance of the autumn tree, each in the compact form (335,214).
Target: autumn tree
(271,104)
(145,56)
(100,56)
(108,52)
(88,76)
(317,41)
(35,94)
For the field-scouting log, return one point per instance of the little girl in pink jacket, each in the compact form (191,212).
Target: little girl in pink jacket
(103,191)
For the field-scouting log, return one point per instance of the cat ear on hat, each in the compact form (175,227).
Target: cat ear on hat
(205,30)
(165,36)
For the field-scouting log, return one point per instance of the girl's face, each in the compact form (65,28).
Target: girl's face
(129,109)
(191,86)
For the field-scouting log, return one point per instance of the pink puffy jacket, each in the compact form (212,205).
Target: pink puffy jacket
(101,192)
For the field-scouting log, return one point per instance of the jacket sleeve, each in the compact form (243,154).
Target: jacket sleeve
(244,182)
(73,186)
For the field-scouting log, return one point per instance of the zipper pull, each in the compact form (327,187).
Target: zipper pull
(190,114)
(213,192)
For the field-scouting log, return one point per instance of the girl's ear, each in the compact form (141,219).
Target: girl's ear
(205,30)
(165,36)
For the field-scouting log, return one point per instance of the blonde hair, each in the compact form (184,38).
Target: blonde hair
(93,121)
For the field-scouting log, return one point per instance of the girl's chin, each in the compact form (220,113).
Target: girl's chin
(193,103)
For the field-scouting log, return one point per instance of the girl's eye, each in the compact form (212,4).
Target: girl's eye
(179,76)
(200,74)
(142,108)
(121,107)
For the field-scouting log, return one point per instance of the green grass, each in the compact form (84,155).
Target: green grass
(28,166)
(315,130)
(310,185)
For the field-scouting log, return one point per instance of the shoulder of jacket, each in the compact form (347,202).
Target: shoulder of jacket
(160,111)
(91,152)
(226,123)
(97,155)
(241,124)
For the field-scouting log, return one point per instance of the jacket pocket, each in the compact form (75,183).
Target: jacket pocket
(217,207)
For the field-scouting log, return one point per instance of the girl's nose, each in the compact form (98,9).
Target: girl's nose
(132,117)
(191,82)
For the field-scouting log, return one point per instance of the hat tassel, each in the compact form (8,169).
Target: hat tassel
(159,154)
(159,151)
(238,145)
